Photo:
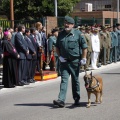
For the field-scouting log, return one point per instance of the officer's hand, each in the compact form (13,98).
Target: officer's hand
(18,56)
(62,59)
(2,55)
(83,61)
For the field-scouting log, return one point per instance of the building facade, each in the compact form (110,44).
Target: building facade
(103,12)
(97,5)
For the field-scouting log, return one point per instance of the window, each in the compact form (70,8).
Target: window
(107,6)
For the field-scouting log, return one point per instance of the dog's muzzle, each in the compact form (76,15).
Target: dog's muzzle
(87,82)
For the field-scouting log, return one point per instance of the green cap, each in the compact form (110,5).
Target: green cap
(103,27)
(69,19)
(88,28)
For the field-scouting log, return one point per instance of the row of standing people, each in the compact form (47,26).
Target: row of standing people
(103,42)
(21,55)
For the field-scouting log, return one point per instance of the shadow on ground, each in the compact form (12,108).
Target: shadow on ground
(1,86)
(112,73)
(68,105)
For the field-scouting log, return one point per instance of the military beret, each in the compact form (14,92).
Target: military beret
(69,19)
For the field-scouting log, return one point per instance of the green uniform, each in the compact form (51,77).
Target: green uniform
(89,49)
(118,35)
(105,43)
(70,46)
(114,45)
(52,42)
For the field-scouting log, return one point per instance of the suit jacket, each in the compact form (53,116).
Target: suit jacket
(36,46)
(20,45)
(30,47)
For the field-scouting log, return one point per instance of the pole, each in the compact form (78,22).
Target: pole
(12,13)
(118,11)
(56,8)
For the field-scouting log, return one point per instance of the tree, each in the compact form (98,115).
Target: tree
(34,9)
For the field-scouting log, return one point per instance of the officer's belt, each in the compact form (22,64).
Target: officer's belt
(71,60)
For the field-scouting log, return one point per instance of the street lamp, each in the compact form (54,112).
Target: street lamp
(118,11)
(56,14)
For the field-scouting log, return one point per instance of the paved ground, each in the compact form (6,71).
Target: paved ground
(34,102)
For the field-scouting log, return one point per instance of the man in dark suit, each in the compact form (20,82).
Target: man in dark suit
(32,52)
(23,51)
(36,46)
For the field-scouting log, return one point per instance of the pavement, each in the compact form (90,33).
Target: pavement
(40,83)
(35,101)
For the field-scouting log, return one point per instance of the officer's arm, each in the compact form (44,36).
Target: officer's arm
(84,53)
(83,46)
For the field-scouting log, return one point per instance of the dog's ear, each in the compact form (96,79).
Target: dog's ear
(91,74)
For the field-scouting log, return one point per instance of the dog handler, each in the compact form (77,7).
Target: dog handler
(70,47)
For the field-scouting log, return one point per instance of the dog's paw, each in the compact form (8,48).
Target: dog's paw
(88,106)
(96,102)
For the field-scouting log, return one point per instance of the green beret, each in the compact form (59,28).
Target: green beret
(69,19)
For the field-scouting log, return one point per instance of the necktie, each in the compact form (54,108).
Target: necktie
(34,39)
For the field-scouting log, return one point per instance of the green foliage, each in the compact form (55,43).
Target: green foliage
(34,9)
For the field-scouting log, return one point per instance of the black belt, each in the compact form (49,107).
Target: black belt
(68,60)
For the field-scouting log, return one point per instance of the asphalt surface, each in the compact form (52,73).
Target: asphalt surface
(35,101)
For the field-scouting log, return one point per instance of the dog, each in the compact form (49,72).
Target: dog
(93,84)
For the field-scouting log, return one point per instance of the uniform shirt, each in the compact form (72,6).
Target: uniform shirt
(95,42)
(105,39)
(71,44)
(118,34)
(88,41)
(114,39)
(52,42)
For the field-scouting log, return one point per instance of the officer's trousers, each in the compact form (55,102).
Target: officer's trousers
(94,58)
(118,52)
(68,69)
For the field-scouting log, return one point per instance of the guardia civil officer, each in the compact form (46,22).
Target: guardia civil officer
(118,35)
(52,42)
(71,49)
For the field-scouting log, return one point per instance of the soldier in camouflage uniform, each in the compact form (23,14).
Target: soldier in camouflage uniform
(105,44)
(89,44)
